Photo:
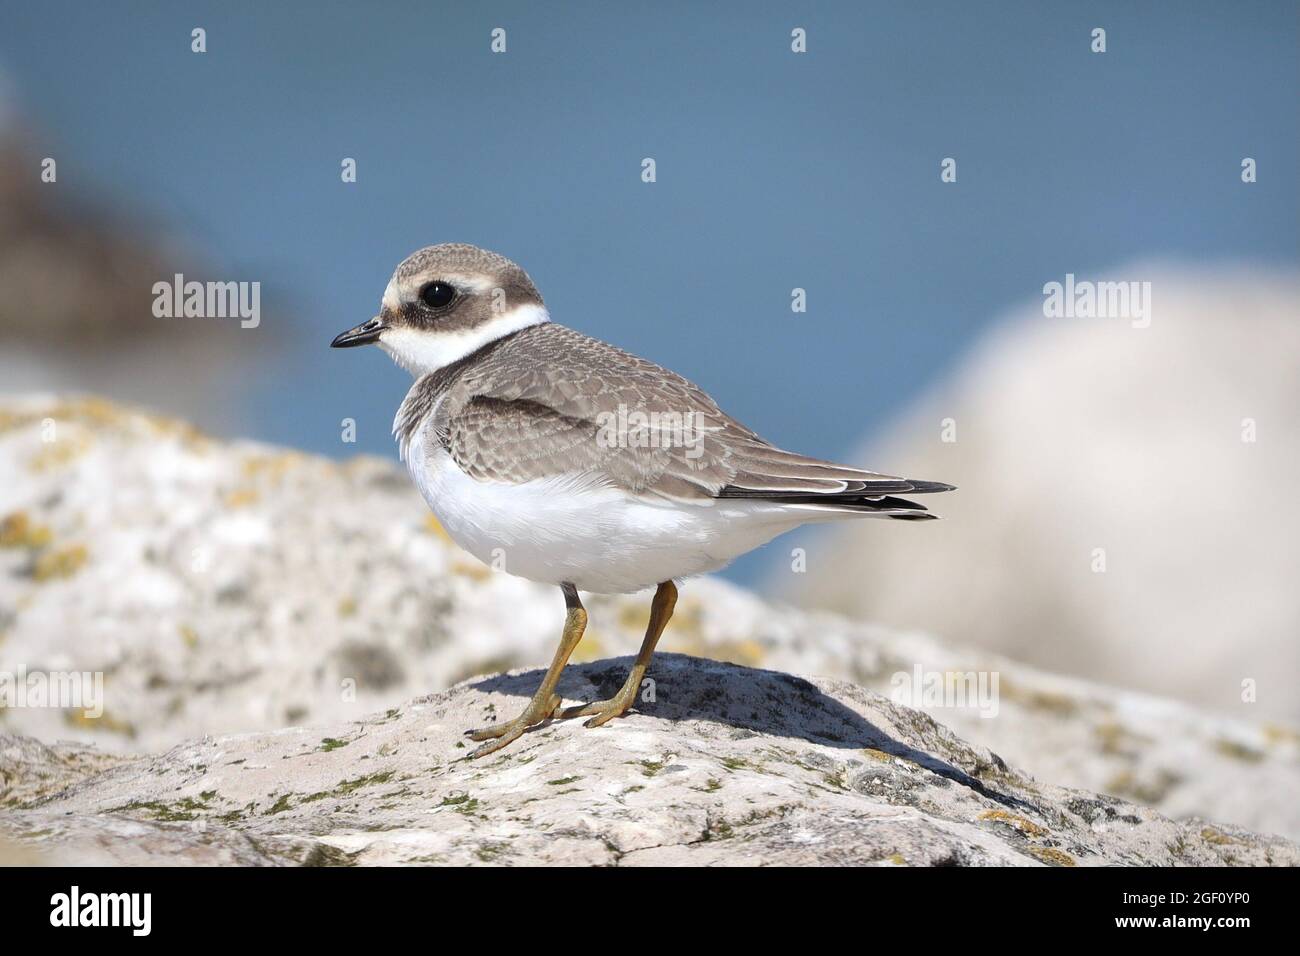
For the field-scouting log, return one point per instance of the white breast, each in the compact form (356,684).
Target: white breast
(599,538)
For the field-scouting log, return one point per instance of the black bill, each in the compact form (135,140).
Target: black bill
(363,334)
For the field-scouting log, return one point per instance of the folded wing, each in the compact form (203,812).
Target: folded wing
(552,403)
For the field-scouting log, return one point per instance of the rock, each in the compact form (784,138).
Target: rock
(31,771)
(226,588)
(728,765)
(1164,455)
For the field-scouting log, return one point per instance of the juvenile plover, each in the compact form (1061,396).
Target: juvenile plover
(577,464)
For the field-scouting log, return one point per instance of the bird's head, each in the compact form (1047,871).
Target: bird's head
(445,302)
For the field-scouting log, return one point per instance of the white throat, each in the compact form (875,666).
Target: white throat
(422,352)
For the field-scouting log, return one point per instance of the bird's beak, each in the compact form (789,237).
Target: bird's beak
(363,334)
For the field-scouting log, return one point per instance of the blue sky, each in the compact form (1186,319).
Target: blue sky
(775,170)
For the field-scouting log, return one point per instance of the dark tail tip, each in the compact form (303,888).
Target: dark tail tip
(928,487)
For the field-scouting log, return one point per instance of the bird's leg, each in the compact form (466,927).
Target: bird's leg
(661,609)
(545,702)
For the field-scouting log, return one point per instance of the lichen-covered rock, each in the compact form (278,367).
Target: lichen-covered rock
(727,765)
(233,587)
(30,770)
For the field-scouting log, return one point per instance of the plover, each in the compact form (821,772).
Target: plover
(562,459)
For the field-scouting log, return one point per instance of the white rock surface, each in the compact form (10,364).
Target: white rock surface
(728,765)
(231,588)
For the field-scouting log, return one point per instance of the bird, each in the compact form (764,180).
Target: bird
(562,459)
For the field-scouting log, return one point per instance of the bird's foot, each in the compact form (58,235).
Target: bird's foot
(603,711)
(507,732)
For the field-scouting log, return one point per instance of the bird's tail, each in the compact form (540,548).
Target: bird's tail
(864,505)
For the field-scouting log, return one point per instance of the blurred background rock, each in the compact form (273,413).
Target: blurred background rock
(1077,434)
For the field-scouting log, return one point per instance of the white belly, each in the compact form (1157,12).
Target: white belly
(601,539)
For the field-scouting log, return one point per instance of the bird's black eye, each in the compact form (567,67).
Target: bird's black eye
(437,295)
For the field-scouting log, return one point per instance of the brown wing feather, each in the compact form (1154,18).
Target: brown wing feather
(546,401)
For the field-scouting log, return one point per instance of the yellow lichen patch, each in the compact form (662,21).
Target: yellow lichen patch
(1115,739)
(1027,827)
(896,859)
(1053,856)
(1039,700)
(60,563)
(1218,837)
(877,755)
(1149,791)
(748,653)
(272,467)
(631,617)
(687,624)
(11,420)
(347,607)
(19,531)
(240,498)
(1238,751)
(94,415)
(1277,734)
(105,722)
(434,527)
(89,409)
(491,665)
(475,572)
(189,636)
(58,453)
(178,428)
(589,648)
(689,618)
(102,414)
